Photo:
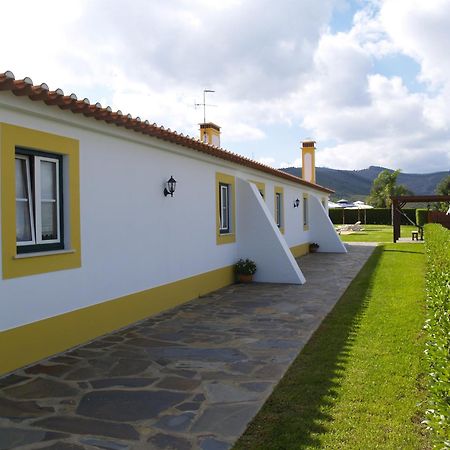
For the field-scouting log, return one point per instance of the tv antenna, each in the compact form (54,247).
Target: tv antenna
(204,103)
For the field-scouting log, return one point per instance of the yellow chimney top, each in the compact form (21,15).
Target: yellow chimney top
(210,133)
(309,161)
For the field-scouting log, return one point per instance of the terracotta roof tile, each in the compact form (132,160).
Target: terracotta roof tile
(41,92)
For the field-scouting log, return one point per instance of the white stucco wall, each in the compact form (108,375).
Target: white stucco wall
(132,237)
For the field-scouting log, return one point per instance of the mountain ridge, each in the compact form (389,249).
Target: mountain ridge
(356,184)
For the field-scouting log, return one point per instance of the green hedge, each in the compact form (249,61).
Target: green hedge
(421,216)
(378,216)
(438,331)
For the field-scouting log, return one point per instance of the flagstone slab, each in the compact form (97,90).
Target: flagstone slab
(175,422)
(80,425)
(11,380)
(108,445)
(21,409)
(41,388)
(15,437)
(214,444)
(55,369)
(178,383)
(128,406)
(62,446)
(226,392)
(226,420)
(198,354)
(124,382)
(169,442)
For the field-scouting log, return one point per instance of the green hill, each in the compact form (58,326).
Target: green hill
(356,184)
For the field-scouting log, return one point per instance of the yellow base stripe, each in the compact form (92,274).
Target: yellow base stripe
(300,250)
(32,342)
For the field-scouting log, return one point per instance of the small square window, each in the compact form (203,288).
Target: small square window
(39,205)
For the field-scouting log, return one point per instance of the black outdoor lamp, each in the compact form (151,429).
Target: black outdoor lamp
(170,189)
(296,203)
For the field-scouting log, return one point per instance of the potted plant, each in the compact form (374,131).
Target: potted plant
(313,247)
(245,268)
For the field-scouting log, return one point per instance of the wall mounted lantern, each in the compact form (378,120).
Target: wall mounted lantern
(170,188)
(296,203)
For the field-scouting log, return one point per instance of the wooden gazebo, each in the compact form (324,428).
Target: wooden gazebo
(400,201)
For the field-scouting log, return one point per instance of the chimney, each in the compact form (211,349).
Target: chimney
(210,133)
(309,161)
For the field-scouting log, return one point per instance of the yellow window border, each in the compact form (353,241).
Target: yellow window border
(279,190)
(261,187)
(229,237)
(305,227)
(12,136)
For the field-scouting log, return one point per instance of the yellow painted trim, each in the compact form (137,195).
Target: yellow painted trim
(312,152)
(230,237)
(260,186)
(300,250)
(306,227)
(279,190)
(30,343)
(10,137)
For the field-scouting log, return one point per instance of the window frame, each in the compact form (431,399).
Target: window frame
(69,257)
(278,209)
(224,210)
(34,159)
(305,210)
(278,200)
(223,237)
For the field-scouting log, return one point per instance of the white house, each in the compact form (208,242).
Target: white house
(93,239)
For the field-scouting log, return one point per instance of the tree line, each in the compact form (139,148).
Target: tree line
(385,186)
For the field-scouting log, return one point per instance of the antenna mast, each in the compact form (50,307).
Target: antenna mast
(204,103)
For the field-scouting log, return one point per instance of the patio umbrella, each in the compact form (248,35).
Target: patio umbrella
(361,205)
(344,204)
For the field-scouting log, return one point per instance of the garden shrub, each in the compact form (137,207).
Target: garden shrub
(421,216)
(438,332)
(375,216)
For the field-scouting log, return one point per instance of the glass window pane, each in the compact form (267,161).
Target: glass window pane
(49,222)
(21,178)
(48,180)
(23,226)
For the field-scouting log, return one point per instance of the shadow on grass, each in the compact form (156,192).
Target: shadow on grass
(403,251)
(293,417)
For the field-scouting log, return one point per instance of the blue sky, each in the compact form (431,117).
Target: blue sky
(368,80)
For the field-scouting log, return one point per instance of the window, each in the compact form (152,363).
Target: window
(40,194)
(305,212)
(224,208)
(260,186)
(279,208)
(39,211)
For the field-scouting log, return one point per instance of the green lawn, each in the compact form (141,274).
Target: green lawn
(377,233)
(359,381)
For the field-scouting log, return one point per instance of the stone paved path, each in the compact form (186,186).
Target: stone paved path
(189,378)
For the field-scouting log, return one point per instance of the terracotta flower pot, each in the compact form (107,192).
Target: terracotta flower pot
(245,278)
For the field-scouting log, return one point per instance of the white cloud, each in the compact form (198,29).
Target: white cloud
(374,118)
(272,65)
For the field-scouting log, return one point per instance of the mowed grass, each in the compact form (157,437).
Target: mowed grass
(358,382)
(377,233)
